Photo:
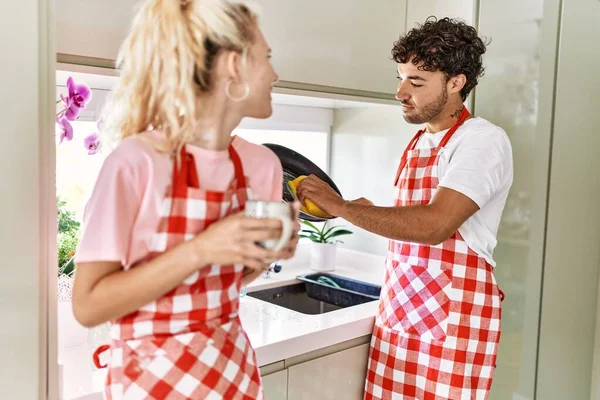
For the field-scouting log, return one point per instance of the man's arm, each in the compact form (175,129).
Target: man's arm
(429,224)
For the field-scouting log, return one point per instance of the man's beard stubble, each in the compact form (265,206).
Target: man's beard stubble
(430,111)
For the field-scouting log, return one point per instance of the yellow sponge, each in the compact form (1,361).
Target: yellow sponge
(309,207)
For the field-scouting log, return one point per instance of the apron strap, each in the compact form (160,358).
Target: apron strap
(403,160)
(184,174)
(464,115)
(240,177)
(96,355)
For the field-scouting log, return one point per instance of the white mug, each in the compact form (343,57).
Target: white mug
(274,210)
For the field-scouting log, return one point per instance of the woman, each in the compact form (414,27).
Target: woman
(164,241)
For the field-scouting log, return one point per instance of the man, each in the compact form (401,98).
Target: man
(437,329)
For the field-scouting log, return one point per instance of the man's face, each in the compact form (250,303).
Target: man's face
(423,94)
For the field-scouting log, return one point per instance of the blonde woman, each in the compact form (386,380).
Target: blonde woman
(164,242)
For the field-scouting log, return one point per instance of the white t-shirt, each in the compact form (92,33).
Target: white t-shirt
(477,162)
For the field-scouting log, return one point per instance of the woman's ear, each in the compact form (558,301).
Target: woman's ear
(233,62)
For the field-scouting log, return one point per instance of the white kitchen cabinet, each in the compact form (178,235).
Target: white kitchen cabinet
(339,45)
(275,385)
(336,376)
(417,11)
(90,28)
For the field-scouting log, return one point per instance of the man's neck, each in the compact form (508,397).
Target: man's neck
(447,118)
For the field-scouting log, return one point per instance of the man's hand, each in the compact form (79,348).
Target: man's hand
(320,193)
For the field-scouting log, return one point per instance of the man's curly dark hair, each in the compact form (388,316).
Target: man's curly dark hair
(445,45)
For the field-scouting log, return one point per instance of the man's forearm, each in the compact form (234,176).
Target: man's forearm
(412,224)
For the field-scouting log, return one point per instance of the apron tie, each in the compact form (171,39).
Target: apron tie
(97,353)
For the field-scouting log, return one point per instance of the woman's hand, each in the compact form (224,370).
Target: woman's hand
(290,249)
(233,240)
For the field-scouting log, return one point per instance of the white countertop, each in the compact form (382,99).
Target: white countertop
(276,333)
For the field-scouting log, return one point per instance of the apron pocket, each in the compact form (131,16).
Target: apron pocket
(420,304)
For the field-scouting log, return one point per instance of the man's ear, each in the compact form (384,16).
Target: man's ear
(457,83)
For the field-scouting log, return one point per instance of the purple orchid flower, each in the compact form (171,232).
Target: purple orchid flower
(78,97)
(92,143)
(66,129)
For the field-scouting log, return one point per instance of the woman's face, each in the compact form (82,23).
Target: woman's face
(260,76)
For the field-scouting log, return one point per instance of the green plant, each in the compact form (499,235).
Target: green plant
(323,235)
(66,217)
(67,244)
(68,237)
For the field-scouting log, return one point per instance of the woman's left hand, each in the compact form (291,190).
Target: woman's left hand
(290,249)
(286,253)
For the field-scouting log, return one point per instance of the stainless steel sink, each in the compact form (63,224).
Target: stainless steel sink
(293,297)
(315,296)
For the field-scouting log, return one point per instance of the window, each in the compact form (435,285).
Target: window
(76,170)
(312,145)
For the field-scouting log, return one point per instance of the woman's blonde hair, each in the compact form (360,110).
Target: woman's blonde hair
(165,64)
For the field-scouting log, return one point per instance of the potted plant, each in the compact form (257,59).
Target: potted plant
(324,243)
(70,332)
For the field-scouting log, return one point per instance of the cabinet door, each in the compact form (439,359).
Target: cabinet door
(417,11)
(275,385)
(336,376)
(339,43)
(92,28)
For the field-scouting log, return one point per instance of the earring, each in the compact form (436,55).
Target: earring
(236,99)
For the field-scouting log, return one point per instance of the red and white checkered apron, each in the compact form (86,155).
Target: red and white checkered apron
(188,344)
(437,330)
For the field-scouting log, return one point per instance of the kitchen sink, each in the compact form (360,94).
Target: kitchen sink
(319,294)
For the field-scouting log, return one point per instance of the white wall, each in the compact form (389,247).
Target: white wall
(26,196)
(366,148)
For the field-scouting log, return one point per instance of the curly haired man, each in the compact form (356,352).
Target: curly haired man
(437,328)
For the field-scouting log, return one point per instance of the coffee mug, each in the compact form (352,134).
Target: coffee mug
(274,210)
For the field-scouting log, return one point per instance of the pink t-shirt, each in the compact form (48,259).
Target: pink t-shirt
(122,213)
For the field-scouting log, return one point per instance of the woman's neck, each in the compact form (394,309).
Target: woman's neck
(214,129)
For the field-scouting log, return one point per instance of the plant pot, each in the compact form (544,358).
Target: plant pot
(322,256)
(70,332)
